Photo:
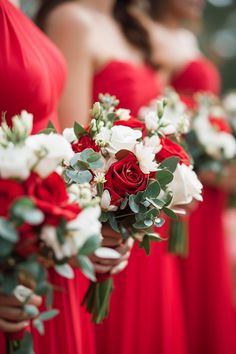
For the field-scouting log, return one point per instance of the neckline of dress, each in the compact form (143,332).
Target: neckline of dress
(109,63)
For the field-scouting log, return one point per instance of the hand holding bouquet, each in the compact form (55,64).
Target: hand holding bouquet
(41,220)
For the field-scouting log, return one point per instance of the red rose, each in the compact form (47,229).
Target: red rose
(28,243)
(133,123)
(169,149)
(189,101)
(124,177)
(10,191)
(85,142)
(50,196)
(220,124)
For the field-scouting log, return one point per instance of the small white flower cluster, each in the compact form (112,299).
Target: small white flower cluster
(167,115)
(21,153)
(217,144)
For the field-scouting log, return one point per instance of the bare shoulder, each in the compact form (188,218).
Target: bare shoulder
(70,16)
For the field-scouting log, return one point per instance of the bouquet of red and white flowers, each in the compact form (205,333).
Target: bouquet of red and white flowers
(41,220)
(131,168)
(172,125)
(210,140)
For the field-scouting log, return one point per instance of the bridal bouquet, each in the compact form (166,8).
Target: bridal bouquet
(130,165)
(171,124)
(211,139)
(41,220)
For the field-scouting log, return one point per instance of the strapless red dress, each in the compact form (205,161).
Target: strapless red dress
(32,73)
(205,273)
(146,306)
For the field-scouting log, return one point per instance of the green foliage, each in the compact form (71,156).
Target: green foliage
(79,130)
(90,245)
(24,210)
(86,267)
(8,232)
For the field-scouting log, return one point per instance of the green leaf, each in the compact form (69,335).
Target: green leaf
(24,209)
(159,222)
(65,270)
(170,164)
(132,204)
(48,315)
(79,130)
(39,325)
(140,225)
(145,243)
(154,237)
(148,223)
(86,267)
(113,222)
(90,245)
(164,177)
(8,232)
(152,191)
(6,247)
(170,213)
(94,157)
(79,177)
(104,216)
(157,203)
(124,204)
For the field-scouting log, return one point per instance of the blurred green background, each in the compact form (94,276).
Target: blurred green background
(217,37)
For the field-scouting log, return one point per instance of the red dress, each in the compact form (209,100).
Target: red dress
(32,74)
(146,309)
(205,273)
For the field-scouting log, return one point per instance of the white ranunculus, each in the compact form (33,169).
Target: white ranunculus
(174,119)
(222,143)
(185,186)
(80,193)
(53,148)
(123,138)
(16,162)
(69,135)
(153,142)
(86,224)
(229,102)
(151,121)
(106,202)
(146,158)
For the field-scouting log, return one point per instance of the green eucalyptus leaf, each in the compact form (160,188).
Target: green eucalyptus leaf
(170,164)
(24,209)
(86,267)
(6,247)
(153,190)
(164,177)
(170,213)
(104,216)
(113,222)
(124,204)
(79,177)
(39,325)
(7,231)
(145,243)
(90,245)
(132,204)
(65,270)
(31,310)
(154,237)
(48,315)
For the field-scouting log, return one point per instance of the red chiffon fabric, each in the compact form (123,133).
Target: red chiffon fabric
(205,273)
(32,74)
(146,314)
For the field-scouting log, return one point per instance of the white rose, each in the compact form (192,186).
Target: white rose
(78,231)
(123,138)
(106,202)
(153,142)
(151,121)
(53,148)
(146,158)
(185,186)
(227,144)
(16,162)
(69,135)
(229,102)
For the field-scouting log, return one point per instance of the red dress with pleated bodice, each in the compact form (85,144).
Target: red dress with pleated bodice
(146,314)
(32,74)
(205,273)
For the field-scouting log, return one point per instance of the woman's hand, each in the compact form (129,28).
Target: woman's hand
(114,264)
(226,181)
(12,315)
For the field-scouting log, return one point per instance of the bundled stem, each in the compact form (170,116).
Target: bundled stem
(178,239)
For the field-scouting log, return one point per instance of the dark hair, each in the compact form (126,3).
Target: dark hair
(132,28)
(135,33)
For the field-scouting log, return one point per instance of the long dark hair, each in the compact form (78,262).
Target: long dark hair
(135,33)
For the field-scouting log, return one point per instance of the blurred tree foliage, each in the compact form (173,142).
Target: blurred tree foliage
(218,39)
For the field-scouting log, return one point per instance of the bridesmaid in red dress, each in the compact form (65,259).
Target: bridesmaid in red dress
(205,273)
(108,51)
(32,74)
